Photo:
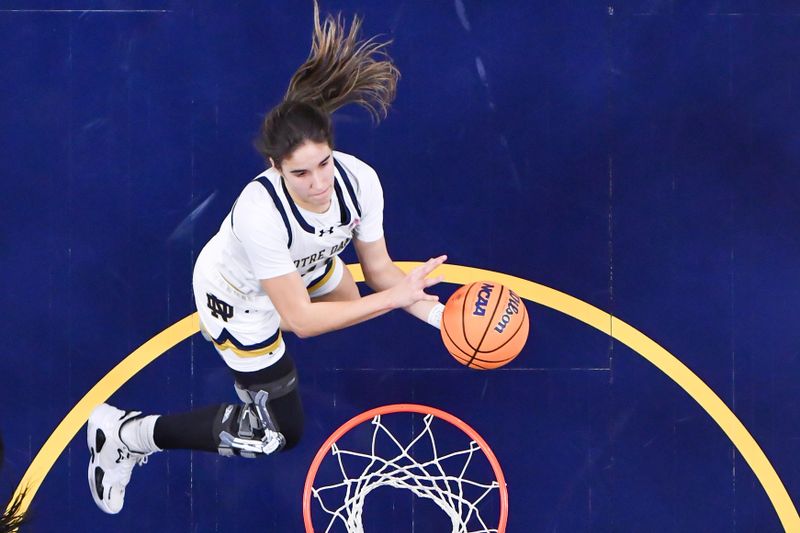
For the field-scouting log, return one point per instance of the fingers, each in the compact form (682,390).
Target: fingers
(419,281)
(430,265)
(430,282)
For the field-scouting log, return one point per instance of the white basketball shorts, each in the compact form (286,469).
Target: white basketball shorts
(245,328)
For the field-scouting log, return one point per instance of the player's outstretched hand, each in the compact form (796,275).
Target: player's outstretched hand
(412,288)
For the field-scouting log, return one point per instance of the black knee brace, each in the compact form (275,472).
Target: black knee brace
(269,420)
(247,430)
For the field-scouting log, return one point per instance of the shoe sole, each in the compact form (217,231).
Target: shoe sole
(95,440)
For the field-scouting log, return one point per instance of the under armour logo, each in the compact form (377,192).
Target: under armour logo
(121,456)
(322,231)
(219,309)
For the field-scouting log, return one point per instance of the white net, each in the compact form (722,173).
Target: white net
(417,466)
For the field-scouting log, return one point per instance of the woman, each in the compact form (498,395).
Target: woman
(274,267)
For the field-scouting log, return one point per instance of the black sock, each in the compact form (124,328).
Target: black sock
(188,431)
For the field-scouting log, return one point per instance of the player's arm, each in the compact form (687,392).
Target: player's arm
(380,274)
(306,318)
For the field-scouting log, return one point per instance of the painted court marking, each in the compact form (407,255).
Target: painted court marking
(598,319)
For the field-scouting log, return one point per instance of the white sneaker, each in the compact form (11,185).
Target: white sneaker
(111,462)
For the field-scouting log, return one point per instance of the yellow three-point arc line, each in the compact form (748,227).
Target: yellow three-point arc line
(619,330)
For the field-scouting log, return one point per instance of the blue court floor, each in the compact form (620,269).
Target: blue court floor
(639,157)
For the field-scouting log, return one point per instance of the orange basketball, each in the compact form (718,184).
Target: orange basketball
(484,325)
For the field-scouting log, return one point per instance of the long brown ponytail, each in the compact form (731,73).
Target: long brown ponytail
(343,69)
(340,69)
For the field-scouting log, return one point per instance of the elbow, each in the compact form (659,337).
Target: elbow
(373,282)
(304,334)
(382,277)
(301,334)
(302,329)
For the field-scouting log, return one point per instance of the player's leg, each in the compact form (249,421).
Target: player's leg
(272,393)
(248,339)
(269,419)
(240,330)
(244,330)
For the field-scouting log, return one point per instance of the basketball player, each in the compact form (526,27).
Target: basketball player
(273,267)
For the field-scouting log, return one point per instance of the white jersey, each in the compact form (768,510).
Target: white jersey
(265,235)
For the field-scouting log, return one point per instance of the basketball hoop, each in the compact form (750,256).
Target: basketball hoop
(417,464)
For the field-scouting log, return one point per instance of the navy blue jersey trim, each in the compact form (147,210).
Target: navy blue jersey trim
(303,224)
(344,212)
(273,193)
(226,336)
(328,267)
(346,178)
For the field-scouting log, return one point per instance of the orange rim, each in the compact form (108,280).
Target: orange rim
(405,408)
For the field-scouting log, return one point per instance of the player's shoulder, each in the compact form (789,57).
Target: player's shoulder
(257,190)
(256,198)
(362,173)
(354,165)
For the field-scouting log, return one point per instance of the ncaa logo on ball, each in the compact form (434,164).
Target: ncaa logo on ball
(482,299)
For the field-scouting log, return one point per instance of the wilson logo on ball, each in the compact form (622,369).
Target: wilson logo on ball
(511,309)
